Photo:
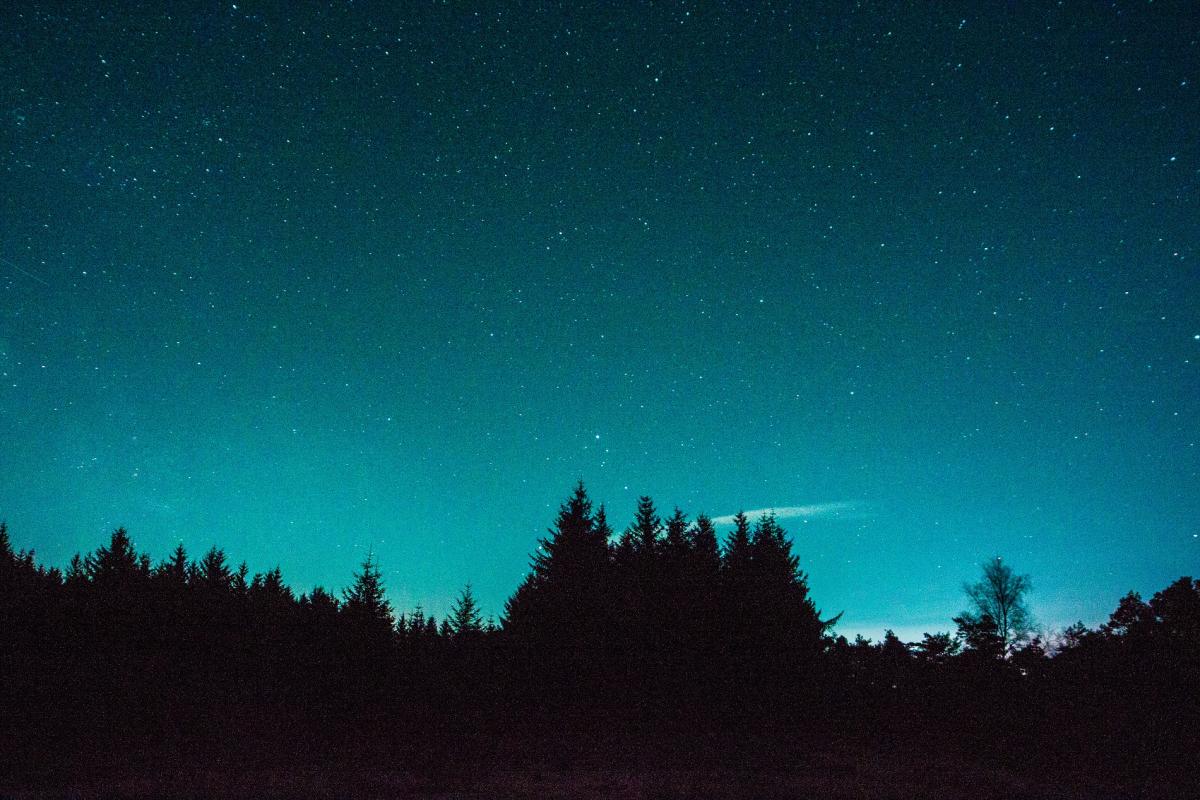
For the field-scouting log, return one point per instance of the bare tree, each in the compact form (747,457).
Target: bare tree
(1001,596)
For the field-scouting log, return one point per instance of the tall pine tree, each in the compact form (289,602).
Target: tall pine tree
(465,619)
(558,618)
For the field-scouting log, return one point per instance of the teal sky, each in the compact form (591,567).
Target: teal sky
(307,280)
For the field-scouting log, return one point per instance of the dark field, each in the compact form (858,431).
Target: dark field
(865,776)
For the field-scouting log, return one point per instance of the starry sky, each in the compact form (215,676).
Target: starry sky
(308,280)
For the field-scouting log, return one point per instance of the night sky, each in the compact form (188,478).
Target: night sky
(307,280)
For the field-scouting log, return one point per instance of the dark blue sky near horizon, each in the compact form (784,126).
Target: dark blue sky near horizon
(308,280)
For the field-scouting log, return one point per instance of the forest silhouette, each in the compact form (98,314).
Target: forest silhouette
(661,645)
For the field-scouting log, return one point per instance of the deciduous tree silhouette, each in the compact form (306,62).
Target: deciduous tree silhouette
(980,635)
(1000,595)
(937,648)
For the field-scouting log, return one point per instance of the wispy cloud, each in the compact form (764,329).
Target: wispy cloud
(793,512)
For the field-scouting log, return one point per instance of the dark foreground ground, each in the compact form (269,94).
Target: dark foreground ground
(862,778)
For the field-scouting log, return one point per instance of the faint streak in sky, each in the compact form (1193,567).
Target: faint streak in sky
(792,512)
(24,272)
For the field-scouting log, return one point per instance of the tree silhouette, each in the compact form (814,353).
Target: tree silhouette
(365,604)
(661,643)
(567,570)
(174,571)
(787,620)
(675,538)
(981,635)
(212,574)
(117,566)
(704,555)
(1132,617)
(1176,611)
(1072,637)
(465,619)
(558,617)
(937,648)
(1000,595)
(736,565)
(701,620)
(11,562)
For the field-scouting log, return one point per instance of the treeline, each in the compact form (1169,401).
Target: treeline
(661,644)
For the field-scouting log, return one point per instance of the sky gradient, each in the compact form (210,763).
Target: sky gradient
(307,280)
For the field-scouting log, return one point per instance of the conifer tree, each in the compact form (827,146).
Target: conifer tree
(366,634)
(18,570)
(567,570)
(465,619)
(702,577)
(414,625)
(118,564)
(365,603)
(783,586)
(270,585)
(675,540)
(320,603)
(76,572)
(638,561)
(737,546)
(736,578)
(705,556)
(174,570)
(558,617)
(8,558)
(772,629)
(238,582)
(646,529)
(212,574)
(602,530)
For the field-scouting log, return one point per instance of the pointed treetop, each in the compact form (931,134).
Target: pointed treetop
(737,544)
(702,544)
(77,571)
(465,618)
(270,586)
(767,529)
(117,563)
(176,565)
(676,532)
(366,596)
(240,584)
(646,526)
(11,560)
(603,530)
(213,571)
(575,515)
(320,601)
(704,531)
